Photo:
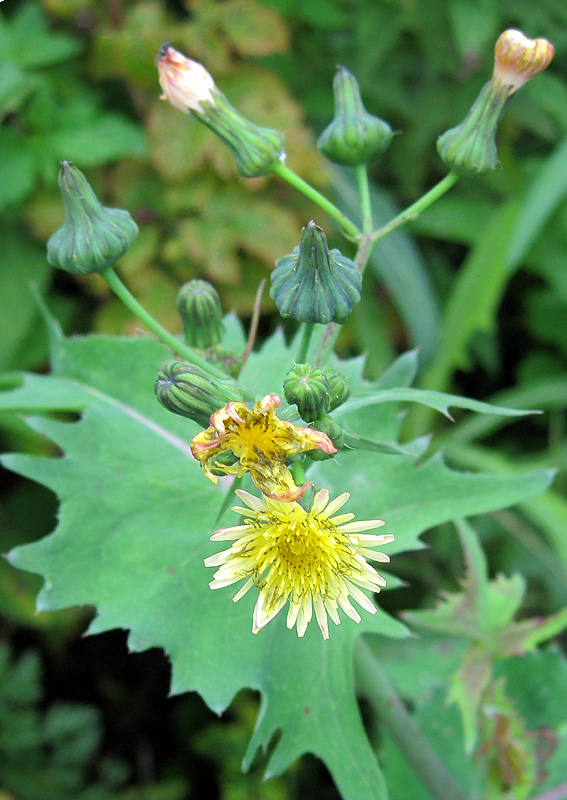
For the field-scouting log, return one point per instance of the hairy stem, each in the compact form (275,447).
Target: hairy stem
(402,727)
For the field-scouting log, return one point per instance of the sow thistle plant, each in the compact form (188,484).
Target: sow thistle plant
(307,446)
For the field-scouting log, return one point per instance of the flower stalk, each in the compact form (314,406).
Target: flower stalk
(402,727)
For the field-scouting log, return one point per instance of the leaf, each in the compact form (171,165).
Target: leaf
(33,44)
(99,140)
(22,262)
(483,612)
(130,491)
(17,169)
(136,516)
(538,684)
(542,198)
(437,400)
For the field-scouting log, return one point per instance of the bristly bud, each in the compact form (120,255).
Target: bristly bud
(471,146)
(92,237)
(333,430)
(191,392)
(188,86)
(354,136)
(339,390)
(313,283)
(307,387)
(200,310)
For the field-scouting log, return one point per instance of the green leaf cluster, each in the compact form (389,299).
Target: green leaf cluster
(134,526)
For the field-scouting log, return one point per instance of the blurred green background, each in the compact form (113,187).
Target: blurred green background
(478,283)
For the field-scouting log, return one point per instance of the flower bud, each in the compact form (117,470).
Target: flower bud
(313,283)
(191,392)
(354,136)
(333,430)
(92,237)
(188,86)
(517,59)
(471,146)
(200,310)
(339,390)
(307,387)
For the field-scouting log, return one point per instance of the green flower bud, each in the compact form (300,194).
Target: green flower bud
(471,146)
(313,283)
(92,237)
(188,86)
(327,425)
(354,136)
(191,392)
(200,310)
(307,387)
(339,390)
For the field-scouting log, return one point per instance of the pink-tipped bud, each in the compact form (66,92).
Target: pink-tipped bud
(186,84)
(517,58)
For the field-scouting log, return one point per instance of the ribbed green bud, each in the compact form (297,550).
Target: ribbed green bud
(200,310)
(307,387)
(191,392)
(354,136)
(92,237)
(313,283)
(327,425)
(471,146)
(188,86)
(339,390)
(256,150)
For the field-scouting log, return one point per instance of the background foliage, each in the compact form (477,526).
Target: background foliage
(478,283)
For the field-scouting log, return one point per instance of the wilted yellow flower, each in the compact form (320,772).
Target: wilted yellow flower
(517,59)
(186,84)
(311,558)
(261,442)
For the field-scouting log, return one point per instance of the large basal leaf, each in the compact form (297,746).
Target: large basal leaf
(136,516)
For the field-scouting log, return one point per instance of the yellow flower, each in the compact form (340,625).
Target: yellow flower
(261,442)
(311,558)
(517,59)
(186,84)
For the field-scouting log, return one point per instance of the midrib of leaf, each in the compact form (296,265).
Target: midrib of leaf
(143,420)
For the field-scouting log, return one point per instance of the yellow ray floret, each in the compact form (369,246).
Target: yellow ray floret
(311,559)
(261,442)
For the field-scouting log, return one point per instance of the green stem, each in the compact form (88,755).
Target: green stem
(364,192)
(305,342)
(123,293)
(332,329)
(305,188)
(416,208)
(402,727)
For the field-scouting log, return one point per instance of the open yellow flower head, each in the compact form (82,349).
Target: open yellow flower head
(186,84)
(315,560)
(261,442)
(517,58)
